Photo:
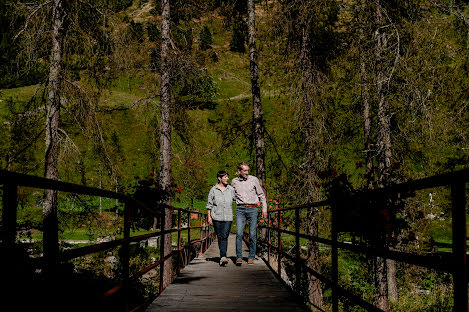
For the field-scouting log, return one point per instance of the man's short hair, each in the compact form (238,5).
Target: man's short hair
(243,163)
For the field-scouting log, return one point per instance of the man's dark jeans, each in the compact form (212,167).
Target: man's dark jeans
(244,214)
(222,229)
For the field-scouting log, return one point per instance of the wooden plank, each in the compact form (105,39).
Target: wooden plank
(10,203)
(203,285)
(460,278)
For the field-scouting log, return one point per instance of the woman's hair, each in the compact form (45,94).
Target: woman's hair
(221,174)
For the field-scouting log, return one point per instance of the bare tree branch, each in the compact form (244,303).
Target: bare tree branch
(29,18)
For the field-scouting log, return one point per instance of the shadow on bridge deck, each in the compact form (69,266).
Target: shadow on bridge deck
(203,285)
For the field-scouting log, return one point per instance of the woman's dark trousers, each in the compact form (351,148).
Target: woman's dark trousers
(222,229)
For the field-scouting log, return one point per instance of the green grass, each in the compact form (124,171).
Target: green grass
(21,94)
(114,98)
(185,203)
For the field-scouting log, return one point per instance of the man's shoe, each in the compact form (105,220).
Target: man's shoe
(250,261)
(239,261)
(223,261)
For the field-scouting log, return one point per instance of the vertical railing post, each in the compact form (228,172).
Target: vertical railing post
(10,195)
(335,260)
(269,238)
(459,245)
(189,237)
(50,236)
(204,236)
(279,243)
(212,234)
(298,255)
(126,259)
(179,242)
(201,252)
(162,249)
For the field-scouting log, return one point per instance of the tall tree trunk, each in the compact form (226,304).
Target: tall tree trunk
(165,132)
(381,285)
(392,281)
(308,84)
(258,122)
(256,96)
(366,123)
(52,136)
(365,97)
(384,145)
(384,127)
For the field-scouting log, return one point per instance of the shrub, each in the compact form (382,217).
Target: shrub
(205,41)
(156,10)
(213,56)
(153,32)
(239,36)
(136,31)
(119,5)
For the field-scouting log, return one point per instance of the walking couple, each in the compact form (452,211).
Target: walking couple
(247,192)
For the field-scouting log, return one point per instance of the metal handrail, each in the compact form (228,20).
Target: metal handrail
(454,262)
(12,180)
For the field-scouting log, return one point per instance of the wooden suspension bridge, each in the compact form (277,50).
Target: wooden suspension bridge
(202,284)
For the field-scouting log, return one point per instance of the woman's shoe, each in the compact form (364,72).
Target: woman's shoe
(223,261)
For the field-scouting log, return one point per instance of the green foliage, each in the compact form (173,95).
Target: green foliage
(182,37)
(205,39)
(154,34)
(110,116)
(149,192)
(156,10)
(20,133)
(213,56)
(239,36)
(136,31)
(155,60)
(119,5)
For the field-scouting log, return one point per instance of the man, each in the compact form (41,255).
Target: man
(248,193)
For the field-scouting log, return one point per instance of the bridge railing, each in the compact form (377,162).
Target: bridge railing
(12,181)
(454,262)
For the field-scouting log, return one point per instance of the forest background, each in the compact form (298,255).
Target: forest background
(110,122)
(413,58)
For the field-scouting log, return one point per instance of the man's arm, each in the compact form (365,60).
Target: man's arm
(261,196)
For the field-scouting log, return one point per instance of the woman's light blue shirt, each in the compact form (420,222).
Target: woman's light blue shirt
(220,203)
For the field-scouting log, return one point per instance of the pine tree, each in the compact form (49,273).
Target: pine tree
(165,133)
(238,37)
(205,39)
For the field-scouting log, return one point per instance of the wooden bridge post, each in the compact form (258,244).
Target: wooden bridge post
(335,260)
(126,252)
(179,243)
(162,251)
(298,255)
(269,239)
(279,245)
(459,245)
(10,195)
(201,252)
(189,236)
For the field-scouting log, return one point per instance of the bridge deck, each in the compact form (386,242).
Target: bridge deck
(205,286)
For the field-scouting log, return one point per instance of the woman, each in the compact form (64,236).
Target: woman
(220,212)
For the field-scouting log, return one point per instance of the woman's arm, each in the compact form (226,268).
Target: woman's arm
(210,205)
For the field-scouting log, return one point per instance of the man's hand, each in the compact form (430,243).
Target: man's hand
(264,214)
(210,220)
